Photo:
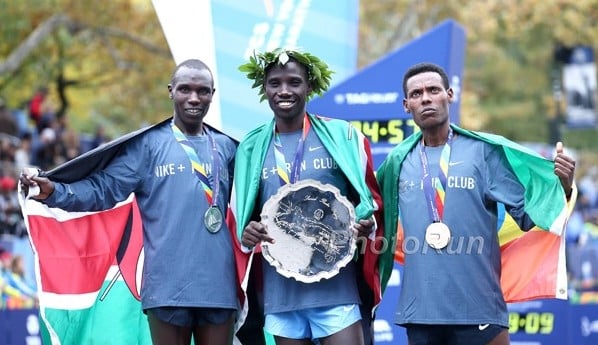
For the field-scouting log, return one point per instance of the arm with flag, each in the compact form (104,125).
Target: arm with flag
(88,264)
(167,188)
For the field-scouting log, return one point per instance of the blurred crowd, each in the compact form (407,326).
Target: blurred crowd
(33,134)
(15,291)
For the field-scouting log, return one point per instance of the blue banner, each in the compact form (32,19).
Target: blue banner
(20,327)
(373,98)
(583,325)
(295,23)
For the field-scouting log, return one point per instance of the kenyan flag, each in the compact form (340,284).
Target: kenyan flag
(88,269)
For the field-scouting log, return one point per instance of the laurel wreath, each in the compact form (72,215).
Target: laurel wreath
(318,74)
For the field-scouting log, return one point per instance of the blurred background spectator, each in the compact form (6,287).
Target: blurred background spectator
(30,136)
(8,123)
(14,292)
(11,219)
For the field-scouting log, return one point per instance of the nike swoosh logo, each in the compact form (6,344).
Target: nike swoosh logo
(455,163)
(314,148)
(483,327)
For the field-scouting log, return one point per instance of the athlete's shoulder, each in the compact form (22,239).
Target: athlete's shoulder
(329,121)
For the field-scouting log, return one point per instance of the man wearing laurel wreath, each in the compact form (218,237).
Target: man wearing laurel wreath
(297,146)
(454,288)
(180,172)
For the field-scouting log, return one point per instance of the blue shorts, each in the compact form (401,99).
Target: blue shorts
(312,323)
(191,316)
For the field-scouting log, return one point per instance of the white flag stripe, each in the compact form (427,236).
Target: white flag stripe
(75,301)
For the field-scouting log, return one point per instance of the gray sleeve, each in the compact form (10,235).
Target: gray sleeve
(104,188)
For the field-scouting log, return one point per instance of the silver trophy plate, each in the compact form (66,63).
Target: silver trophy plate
(312,225)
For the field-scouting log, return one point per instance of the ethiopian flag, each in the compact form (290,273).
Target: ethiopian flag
(533,262)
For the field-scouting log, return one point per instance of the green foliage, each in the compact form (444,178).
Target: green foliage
(110,56)
(318,74)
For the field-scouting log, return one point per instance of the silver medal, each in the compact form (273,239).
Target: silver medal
(213,219)
(438,235)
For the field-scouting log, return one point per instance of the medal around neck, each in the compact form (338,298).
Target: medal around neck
(438,235)
(312,225)
(213,219)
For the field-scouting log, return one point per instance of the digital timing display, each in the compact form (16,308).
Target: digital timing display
(386,131)
(531,323)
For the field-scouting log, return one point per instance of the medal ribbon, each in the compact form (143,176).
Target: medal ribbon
(435,191)
(281,165)
(198,169)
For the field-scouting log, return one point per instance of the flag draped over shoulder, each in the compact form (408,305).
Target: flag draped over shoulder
(533,262)
(88,264)
(351,151)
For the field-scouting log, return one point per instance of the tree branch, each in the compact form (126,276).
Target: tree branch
(14,60)
(149,46)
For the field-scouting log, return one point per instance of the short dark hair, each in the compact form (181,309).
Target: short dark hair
(190,63)
(422,68)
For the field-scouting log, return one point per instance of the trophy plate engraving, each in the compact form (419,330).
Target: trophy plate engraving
(312,224)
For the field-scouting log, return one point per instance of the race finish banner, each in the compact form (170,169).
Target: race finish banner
(372,99)
(224,33)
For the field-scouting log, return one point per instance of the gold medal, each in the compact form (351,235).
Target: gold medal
(213,219)
(438,235)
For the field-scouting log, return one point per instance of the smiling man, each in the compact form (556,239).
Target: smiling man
(180,172)
(293,147)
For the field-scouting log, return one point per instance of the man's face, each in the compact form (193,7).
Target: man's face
(191,94)
(287,87)
(427,100)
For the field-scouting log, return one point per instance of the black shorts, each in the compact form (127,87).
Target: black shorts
(191,316)
(452,334)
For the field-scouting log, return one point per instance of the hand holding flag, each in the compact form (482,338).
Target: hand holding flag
(34,186)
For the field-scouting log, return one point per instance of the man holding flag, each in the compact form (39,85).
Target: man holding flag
(454,288)
(179,173)
(289,149)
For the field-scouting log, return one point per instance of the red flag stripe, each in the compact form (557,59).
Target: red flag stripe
(79,256)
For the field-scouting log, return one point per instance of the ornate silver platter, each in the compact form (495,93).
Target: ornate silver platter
(312,225)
